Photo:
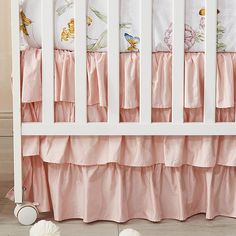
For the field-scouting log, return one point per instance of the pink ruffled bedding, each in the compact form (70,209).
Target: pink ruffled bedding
(119,178)
(129,78)
(119,193)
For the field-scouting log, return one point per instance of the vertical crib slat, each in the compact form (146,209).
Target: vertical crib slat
(80,7)
(178,61)
(210,61)
(145,61)
(15,22)
(47,61)
(113,61)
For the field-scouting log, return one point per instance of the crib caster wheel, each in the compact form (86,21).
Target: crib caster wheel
(26,213)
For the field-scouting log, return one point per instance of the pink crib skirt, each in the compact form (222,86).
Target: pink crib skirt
(119,178)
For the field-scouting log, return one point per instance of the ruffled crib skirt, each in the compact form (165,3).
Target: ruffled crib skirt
(97,78)
(118,193)
(119,178)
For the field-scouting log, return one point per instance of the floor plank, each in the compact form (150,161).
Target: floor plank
(196,225)
(10,226)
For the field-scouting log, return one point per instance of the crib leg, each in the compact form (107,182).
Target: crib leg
(26,213)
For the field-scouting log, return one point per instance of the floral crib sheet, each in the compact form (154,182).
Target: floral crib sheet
(129,25)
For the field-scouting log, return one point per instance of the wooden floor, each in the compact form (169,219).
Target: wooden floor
(196,225)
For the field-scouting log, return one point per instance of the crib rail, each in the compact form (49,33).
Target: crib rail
(130,129)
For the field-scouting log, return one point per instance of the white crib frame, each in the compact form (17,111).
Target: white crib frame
(113,126)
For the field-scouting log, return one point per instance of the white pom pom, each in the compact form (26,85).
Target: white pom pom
(44,228)
(129,232)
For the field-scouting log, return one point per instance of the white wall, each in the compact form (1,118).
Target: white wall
(5,68)
(5,56)
(5,93)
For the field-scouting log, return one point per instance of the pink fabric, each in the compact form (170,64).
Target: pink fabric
(130,151)
(119,193)
(119,178)
(129,80)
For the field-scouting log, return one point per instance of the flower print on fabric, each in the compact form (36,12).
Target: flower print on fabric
(190,37)
(193,37)
(220,31)
(101,41)
(69,32)
(25,22)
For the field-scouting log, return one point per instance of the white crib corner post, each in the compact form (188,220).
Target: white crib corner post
(15,30)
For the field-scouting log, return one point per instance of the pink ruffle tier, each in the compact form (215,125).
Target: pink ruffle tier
(119,178)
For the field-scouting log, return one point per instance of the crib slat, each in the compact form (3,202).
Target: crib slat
(113,61)
(145,61)
(47,61)
(210,61)
(80,61)
(178,60)
(15,22)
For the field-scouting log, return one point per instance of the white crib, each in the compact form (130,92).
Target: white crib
(27,213)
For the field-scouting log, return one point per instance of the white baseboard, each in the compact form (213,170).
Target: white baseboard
(6,143)
(6,127)
(6,158)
